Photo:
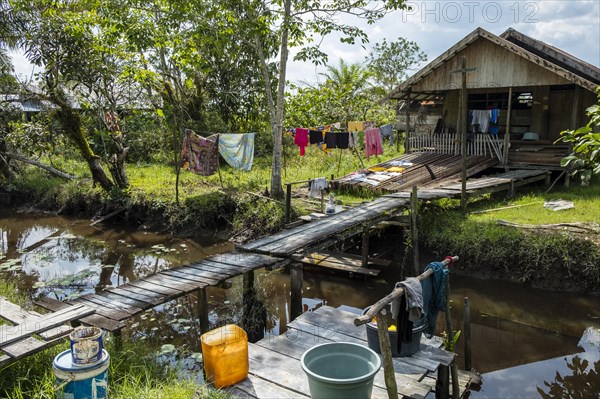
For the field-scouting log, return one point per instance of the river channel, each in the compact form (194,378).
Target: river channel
(520,336)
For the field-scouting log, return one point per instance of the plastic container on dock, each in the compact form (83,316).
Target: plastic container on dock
(75,381)
(86,345)
(408,348)
(225,354)
(340,370)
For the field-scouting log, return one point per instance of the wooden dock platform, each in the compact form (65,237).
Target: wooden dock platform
(425,169)
(275,370)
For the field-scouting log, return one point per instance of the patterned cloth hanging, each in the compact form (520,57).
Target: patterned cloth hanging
(237,149)
(201,154)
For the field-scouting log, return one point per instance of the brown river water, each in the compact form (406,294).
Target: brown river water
(520,336)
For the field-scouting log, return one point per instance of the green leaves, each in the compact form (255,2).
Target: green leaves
(585,158)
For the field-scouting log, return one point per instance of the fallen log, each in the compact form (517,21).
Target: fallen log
(47,168)
(575,226)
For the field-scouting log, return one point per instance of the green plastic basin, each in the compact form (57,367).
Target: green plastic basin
(340,370)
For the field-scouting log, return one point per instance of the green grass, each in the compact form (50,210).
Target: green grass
(585,199)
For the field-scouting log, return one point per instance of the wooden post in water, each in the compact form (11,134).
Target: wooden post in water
(203,309)
(254,315)
(467,333)
(450,332)
(442,383)
(414,208)
(386,355)
(296,282)
(365,248)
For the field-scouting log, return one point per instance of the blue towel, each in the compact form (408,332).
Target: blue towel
(434,294)
(237,149)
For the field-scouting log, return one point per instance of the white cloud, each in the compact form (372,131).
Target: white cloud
(571,25)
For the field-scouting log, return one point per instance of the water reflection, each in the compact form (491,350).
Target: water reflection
(520,336)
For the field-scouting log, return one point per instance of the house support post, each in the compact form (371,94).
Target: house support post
(506,144)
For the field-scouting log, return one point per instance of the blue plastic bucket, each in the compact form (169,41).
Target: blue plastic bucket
(80,382)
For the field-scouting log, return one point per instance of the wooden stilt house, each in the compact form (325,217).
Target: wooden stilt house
(531,90)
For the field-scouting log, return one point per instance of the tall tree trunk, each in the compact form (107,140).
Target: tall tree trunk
(276,186)
(72,127)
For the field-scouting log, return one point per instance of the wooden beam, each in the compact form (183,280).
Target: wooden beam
(296,282)
(203,310)
(507,133)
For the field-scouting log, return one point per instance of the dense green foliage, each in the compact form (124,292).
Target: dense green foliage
(585,159)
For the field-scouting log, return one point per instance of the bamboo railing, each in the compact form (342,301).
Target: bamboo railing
(449,143)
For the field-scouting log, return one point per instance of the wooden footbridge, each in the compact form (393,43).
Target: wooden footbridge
(29,332)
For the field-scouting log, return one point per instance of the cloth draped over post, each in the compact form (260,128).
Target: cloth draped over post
(373,142)
(316,186)
(237,149)
(201,154)
(434,294)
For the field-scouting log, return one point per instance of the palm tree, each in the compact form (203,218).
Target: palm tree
(349,83)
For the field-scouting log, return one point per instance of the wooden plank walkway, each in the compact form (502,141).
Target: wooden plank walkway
(30,332)
(499,182)
(307,236)
(115,305)
(414,374)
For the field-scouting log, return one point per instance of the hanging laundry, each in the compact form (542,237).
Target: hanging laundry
(201,154)
(337,125)
(237,149)
(481,119)
(316,186)
(369,125)
(301,140)
(494,128)
(353,140)
(315,137)
(386,131)
(355,126)
(331,140)
(343,140)
(373,142)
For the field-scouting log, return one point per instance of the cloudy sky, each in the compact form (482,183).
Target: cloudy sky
(571,25)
